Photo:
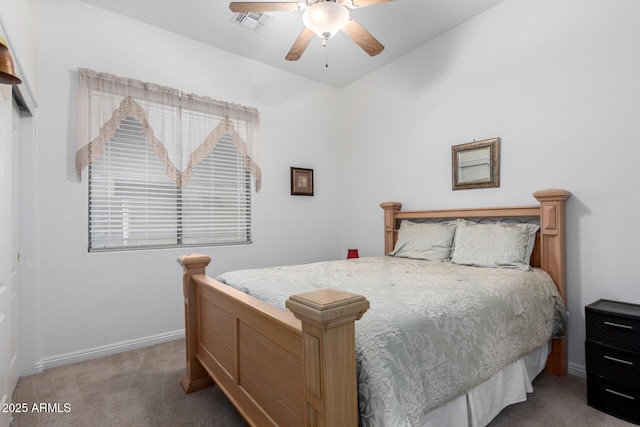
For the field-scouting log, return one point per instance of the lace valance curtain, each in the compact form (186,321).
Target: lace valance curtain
(182,129)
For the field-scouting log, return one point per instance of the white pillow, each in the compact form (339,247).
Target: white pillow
(496,245)
(429,241)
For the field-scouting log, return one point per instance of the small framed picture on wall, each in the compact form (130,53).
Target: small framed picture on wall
(301,182)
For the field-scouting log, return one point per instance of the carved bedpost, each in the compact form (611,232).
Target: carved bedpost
(196,377)
(329,356)
(552,239)
(390,209)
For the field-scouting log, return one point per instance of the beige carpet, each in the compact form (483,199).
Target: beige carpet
(141,388)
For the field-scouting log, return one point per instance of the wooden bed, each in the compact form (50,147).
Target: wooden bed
(298,367)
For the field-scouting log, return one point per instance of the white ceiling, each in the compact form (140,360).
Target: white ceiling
(400,25)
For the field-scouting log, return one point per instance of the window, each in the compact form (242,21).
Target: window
(133,204)
(138,195)
(216,205)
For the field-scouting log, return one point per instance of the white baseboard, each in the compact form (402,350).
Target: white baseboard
(106,350)
(577,370)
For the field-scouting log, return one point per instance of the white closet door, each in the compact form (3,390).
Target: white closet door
(9,252)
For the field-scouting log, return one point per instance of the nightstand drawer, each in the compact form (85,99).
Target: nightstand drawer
(618,401)
(618,366)
(615,331)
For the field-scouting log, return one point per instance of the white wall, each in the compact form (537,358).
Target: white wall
(93,300)
(558,82)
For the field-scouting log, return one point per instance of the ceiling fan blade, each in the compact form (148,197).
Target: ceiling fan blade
(257,6)
(363,3)
(300,45)
(362,38)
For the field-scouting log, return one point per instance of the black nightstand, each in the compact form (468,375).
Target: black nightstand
(613,358)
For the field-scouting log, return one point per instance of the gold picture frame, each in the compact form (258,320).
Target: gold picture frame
(301,182)
(476,164)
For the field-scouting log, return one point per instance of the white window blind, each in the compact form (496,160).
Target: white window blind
(216,204)
(134,204)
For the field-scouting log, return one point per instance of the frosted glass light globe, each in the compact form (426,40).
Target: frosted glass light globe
(325,18)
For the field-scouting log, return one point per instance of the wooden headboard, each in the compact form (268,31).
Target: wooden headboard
(548,253)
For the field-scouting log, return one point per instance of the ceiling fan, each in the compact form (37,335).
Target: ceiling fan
(322,17)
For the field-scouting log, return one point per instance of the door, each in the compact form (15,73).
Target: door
(9,255)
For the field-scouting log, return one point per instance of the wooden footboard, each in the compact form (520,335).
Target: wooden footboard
(279,368)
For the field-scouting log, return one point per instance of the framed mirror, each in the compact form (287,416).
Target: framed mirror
(476,164)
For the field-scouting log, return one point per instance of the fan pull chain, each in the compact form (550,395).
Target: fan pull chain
(326,52)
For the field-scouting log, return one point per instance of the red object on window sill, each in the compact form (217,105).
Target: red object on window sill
(352,253)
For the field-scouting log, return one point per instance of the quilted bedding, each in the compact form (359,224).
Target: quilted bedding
(434,329)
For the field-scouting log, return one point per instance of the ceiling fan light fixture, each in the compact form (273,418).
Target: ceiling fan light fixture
(325,18)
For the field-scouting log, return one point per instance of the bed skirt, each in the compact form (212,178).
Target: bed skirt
(482,403)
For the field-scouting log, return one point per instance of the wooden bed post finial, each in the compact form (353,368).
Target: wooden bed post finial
(329,355)
(196,376)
